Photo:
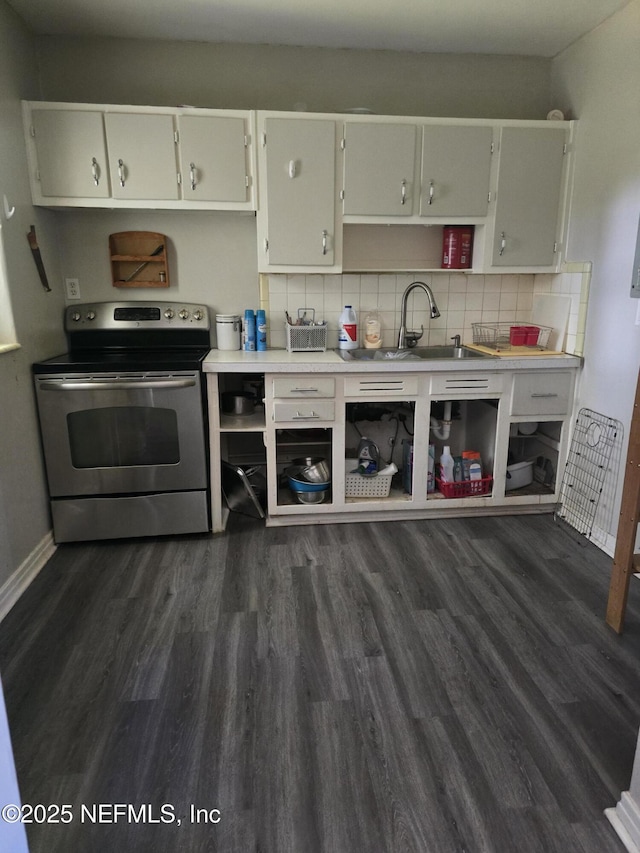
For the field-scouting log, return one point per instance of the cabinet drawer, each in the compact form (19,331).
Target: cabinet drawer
(543,393)
(381,386)
(304,386)
(467,383)
(303,410)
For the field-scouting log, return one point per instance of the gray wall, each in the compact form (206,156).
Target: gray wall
(24,515)
(236,76)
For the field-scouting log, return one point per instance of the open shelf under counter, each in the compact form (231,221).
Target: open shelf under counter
(255,422)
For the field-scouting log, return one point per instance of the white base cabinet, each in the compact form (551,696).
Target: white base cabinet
(504,415)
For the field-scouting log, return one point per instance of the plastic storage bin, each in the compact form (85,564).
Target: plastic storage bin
(357,486)
(465,488)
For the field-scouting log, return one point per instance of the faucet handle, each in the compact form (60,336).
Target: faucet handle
(412,338)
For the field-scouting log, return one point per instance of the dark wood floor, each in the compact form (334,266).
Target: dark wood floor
(424,686)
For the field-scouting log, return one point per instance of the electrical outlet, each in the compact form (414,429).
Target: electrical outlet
(72,286)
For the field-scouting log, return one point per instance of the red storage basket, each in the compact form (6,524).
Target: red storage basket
(465,488)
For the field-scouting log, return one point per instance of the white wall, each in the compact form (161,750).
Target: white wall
(24,514)
(597,79)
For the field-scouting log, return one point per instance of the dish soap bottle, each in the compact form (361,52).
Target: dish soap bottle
(372,331)
(348,329)
(446,465)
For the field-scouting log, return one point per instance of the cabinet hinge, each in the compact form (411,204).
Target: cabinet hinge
(264,140)
(176,136)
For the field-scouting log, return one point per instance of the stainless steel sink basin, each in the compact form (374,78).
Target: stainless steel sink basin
(414,354)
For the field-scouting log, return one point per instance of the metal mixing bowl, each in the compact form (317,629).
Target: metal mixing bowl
(315,469)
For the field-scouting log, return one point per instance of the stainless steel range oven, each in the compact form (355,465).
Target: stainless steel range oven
(122,418)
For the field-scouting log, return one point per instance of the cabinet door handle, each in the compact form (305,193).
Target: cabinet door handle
(303,390)
(121,173)
(503,242)
(192,175)
(95,171)
(324,242)
(431,192)
(293,169)
(310,417)
(403,192)
(544,395)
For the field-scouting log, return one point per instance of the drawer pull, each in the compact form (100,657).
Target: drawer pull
(299,417)
(544,395)
(303,390)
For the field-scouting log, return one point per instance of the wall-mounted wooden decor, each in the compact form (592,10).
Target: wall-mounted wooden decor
(139,259)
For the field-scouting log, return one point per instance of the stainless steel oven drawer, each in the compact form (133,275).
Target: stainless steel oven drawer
(170,513)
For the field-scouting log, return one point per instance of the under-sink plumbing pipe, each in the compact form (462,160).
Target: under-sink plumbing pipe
(442,428)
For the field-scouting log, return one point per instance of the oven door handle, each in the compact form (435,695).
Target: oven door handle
(115,385)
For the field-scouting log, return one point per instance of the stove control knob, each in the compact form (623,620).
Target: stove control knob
(169,314)
(91,315)
(184,314)
(76,316)
(198,315)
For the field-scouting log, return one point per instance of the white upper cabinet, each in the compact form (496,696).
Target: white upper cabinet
(456,170)
(214,163)
(529,192)
(379,169)
(91,155)
(297,212)
(142,156)
(71,155)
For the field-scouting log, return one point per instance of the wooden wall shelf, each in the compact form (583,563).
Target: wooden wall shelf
(139,259)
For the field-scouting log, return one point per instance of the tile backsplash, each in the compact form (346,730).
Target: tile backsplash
(463,299)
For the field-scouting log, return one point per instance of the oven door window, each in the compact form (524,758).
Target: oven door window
(123,436)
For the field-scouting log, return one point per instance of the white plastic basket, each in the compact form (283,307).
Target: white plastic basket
(357,486)
(306,338)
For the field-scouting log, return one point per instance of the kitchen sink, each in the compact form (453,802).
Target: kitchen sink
(414,354)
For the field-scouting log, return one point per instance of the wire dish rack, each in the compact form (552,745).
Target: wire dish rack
(500,336)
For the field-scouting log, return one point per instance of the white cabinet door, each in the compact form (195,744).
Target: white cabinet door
(71,154)
(213,158)
(528,196)
(456,168)
(300,192)
(379,169)
(142,156)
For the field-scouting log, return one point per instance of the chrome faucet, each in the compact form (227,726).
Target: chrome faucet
(410,339)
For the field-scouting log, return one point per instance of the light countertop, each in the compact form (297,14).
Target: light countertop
(281,361)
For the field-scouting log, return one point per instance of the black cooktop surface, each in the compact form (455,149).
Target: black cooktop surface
(108,361)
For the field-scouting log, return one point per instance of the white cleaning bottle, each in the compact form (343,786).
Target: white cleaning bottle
(446,465)
(348,329)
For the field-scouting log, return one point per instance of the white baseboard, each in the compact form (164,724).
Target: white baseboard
(625,819)
(13,587)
